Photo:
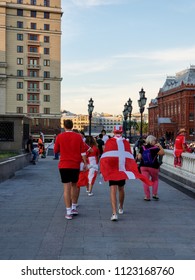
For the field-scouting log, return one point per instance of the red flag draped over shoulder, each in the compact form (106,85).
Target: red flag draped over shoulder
(117,162)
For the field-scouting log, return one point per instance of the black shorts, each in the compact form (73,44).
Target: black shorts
(69,175)
(119,183)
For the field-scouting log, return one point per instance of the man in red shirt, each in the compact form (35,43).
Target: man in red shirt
(71,147)
(179,147)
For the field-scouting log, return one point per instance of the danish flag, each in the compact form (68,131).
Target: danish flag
(117,162)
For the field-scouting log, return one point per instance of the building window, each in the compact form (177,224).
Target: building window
(33,86)
(20,12)
(19,1)
(19,24)
(46,3)
(20,61)
(46,74)
(46,62)
(46,39)
(191,116)
(33,37)
(20,73)
(46,50)
(33,49)
(19,97)
(33,14)
(19,85)
(20,37)
(6,131)
(33,2)
(46,27)
(20,49)
(33,25)
(19,110)
(33,73)
(33,110)
(46,86)
(46,98)
(47,111)
(46,14)
(33,97)
(33,62)
(46,122)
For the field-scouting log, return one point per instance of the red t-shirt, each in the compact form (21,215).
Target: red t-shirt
(179,141)
(71,147)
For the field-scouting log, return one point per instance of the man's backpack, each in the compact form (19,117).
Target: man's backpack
(147,156)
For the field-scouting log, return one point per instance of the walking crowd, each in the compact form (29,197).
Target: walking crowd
(82,157)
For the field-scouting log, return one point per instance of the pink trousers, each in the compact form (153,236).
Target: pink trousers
(152,174)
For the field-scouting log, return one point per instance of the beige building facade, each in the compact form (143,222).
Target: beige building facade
(30,62)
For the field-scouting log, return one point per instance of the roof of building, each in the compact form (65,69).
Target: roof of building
(186,77)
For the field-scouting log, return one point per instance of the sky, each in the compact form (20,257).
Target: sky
(112,48)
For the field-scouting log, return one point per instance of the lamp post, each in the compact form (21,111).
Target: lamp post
(90,110)
(125,115)
(142,102)
(130,108)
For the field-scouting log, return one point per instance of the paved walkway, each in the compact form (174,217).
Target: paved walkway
(32,223)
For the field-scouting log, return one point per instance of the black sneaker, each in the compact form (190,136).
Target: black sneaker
(155,197)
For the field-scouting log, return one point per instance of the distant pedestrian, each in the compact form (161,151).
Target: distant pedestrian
(83,178)
(149,165)
(105,136)
(56,155)
(41,147)
(30,149)
(179,147)
(70,145)
(163,145)
(100,144)
(92,160)
(116,165)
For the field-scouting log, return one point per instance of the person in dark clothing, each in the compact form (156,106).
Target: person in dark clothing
(163,145)
(100,143)
(30,149)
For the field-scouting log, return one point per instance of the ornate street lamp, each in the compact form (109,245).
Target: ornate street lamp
(125,116)
(142,102)
(90,110)
(130,108)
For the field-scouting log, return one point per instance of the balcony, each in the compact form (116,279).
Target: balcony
(33,90)
(33,102)
(34,115)
(33,66)
(33,54)
(33,43)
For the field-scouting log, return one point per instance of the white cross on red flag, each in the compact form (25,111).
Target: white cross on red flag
(117,162)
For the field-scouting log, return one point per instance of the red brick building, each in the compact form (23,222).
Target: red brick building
(174,107)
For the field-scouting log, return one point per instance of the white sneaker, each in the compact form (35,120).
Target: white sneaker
(114,217)
(90,194)
(120,210)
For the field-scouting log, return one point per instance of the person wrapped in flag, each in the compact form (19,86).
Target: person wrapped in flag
(117,164)
(88,177)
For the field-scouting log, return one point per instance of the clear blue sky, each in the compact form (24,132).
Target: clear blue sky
(113,48)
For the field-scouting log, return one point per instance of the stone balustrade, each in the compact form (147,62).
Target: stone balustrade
(184,175)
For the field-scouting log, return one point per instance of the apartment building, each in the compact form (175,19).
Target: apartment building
(30,62)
